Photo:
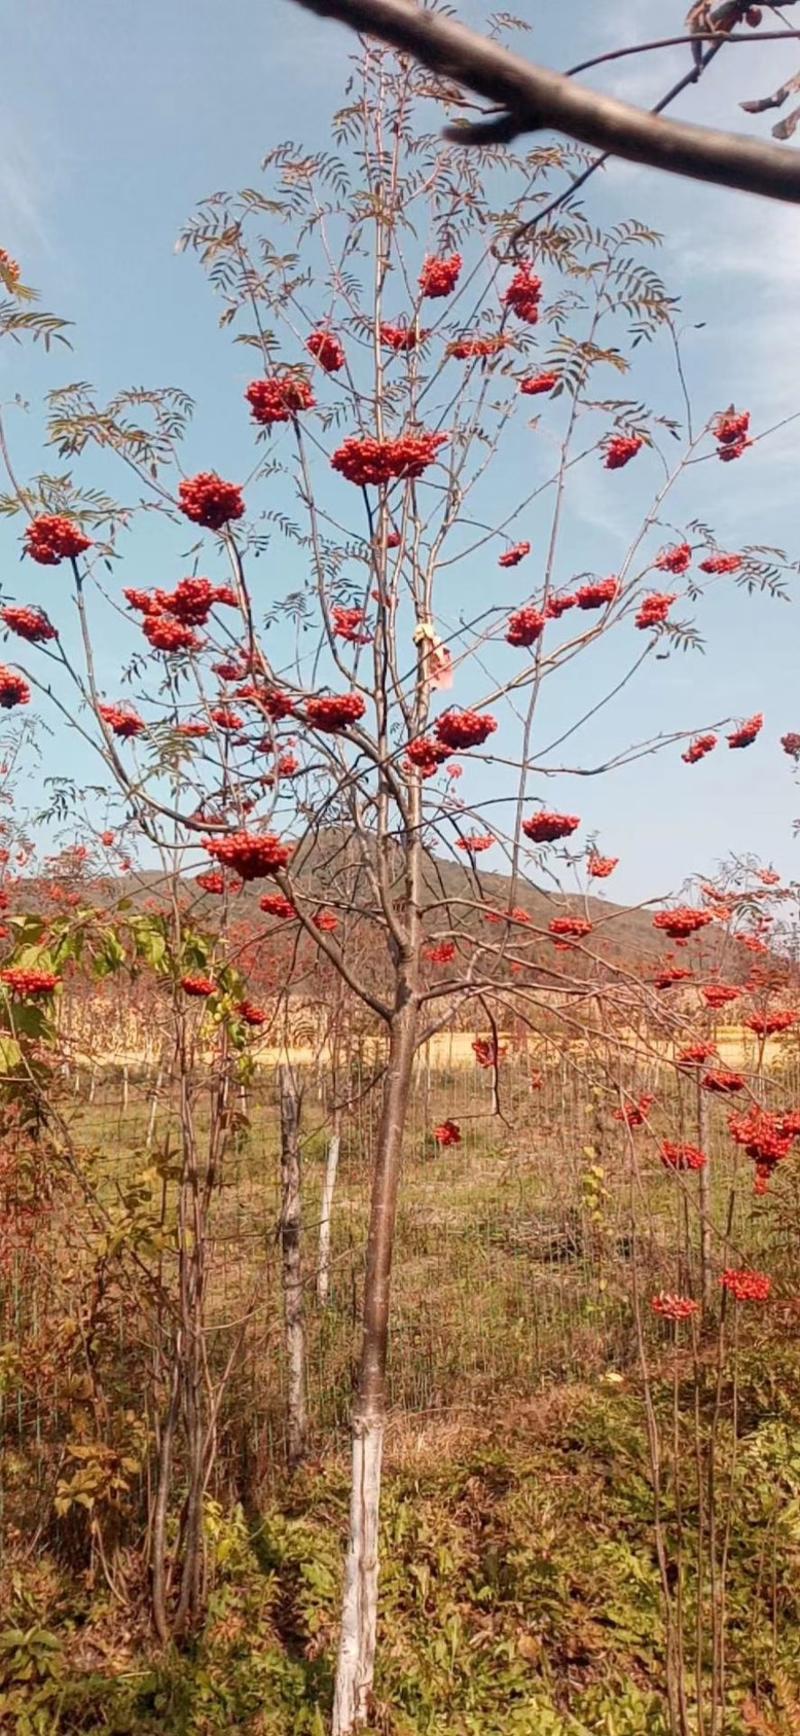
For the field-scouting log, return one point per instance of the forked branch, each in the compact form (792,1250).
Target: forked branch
(533,97)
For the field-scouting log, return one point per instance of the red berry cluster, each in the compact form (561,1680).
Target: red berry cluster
(635,1114)
(121,720)
(746,734)
(193,731)
(447,1133)
(425,756)
(475,843)
(144,602)
(226,719)
(275,904)
(654,609)
(723,1082)
(599,867)
(331,713)
(13,690)
(463,729)
(555,607)
(671,974)
(620,449)
(769,1024)
(524,294)
(349,624)
(675,560)
(52,538)
(251,1014)
(366,460)
(525,627)
(598,595)
(575,926)
(487,1052)
(199,987)
(698,749)
(533,384)
(672,1307)
(682,1156)
(229,670)
(209,501)
(191,601)
(546,828)
(513,556)
(679,924)
(213,882)
(276,704)
(720,994)
(444,953)
(325,921)
(327,350)
(746,1286)
(30,624)
(166,634)
(722,564)
(469,349)
(767,1139)
(400,338)
(439,277)
(279,398)
(730,430)
(250,854)
(24,984)
(791,744)
(696,1054)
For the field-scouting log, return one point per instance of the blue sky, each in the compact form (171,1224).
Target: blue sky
(117,120)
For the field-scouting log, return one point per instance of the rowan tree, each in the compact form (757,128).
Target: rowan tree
(361,750)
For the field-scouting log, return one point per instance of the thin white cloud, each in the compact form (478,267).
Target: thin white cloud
(25,188)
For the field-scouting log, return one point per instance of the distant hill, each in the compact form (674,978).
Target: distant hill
(331,861)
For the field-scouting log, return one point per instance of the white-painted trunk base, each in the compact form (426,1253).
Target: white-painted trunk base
(356,1661)
(325,1211)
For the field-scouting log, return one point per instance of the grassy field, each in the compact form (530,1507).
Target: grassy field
(515,1249)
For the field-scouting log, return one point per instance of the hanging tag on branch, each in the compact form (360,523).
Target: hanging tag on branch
(438,662)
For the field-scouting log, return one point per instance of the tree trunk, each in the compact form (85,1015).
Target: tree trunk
(192,1232)
(356,1660)
(291,1226)
(158,1568)
(325,1211)
(704,1199)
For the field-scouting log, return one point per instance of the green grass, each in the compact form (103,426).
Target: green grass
(520,1593)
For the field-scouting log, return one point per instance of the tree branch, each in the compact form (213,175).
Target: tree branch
(534,97)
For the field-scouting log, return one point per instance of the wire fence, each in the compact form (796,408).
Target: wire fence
(514,1267)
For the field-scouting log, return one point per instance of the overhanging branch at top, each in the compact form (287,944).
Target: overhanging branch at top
(534,97)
